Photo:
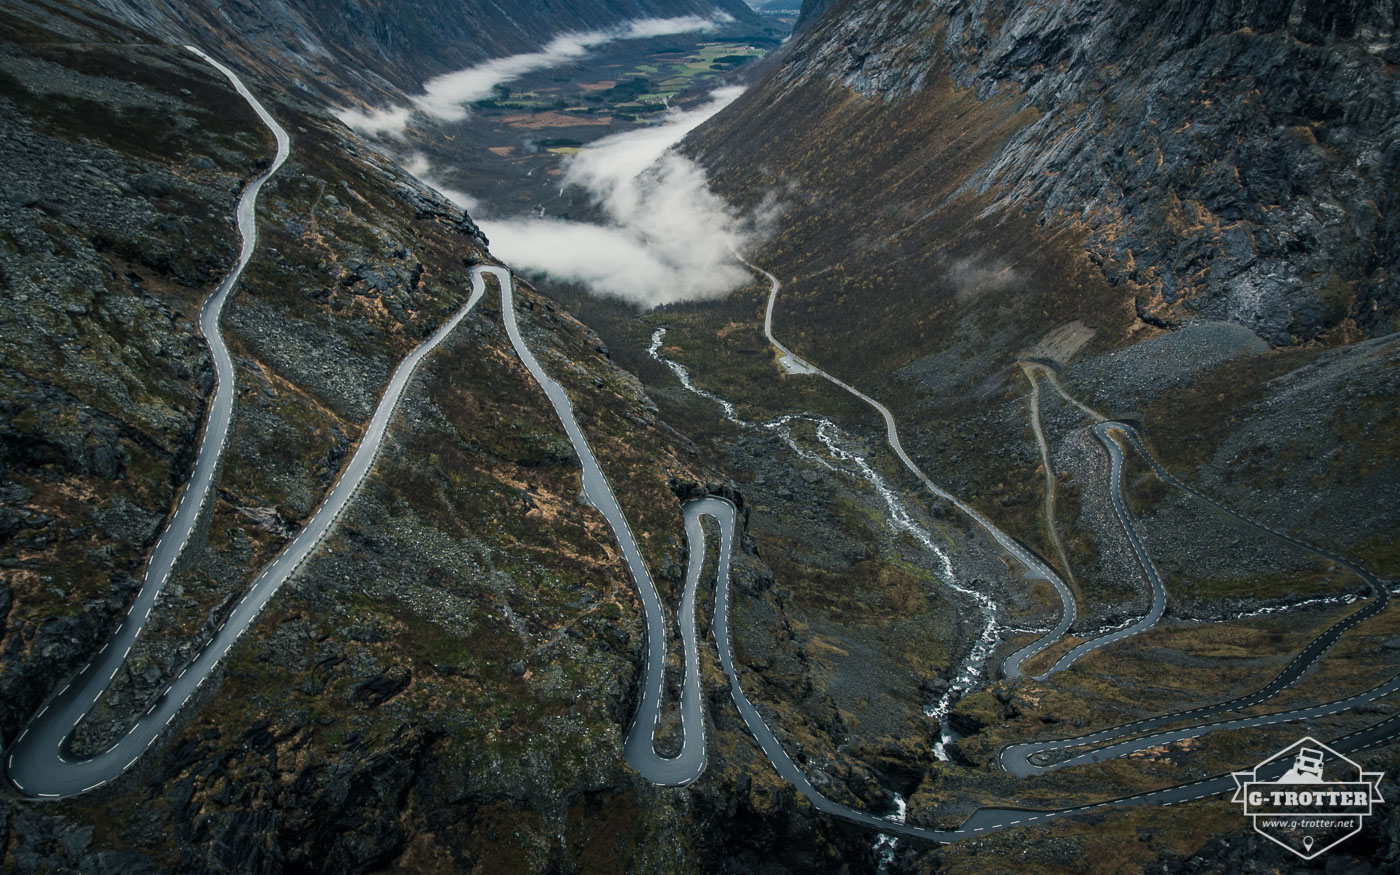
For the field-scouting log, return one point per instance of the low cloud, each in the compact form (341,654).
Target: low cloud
(417,164)
(650,27)
(376,121)
(668,237)
(976,275)
(447,96)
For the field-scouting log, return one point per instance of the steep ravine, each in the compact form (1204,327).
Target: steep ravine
(445,686)
(446,682)
(1187,212)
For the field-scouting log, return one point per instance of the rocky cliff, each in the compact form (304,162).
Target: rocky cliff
(445,686)
(1228,160)
(1183,214)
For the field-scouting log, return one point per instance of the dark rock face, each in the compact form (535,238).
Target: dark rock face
(330,817)
(382,687)
(45,843)
(812,11)
(430,206)
(1234,160)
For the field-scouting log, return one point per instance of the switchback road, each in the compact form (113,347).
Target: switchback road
(38,763)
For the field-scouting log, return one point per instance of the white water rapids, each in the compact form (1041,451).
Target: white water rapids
(844,459)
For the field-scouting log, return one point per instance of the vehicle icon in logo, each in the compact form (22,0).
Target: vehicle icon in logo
(1307,797)
(1307,768)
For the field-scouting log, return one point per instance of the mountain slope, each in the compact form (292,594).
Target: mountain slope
(1184,215)
(963,179)
(1225,160)
(446,683)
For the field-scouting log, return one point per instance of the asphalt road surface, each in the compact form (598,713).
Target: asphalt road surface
(639,745)
(1036,569)
(38,763)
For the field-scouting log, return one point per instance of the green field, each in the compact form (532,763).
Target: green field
(645,88)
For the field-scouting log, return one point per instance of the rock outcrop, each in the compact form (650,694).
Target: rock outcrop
(1230,160)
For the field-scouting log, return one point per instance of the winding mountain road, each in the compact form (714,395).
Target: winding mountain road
(37,763)
(984,820)
(1035,568)
(639,745)
(1106,433)
(829,435)
(1037,757)
(41,741)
